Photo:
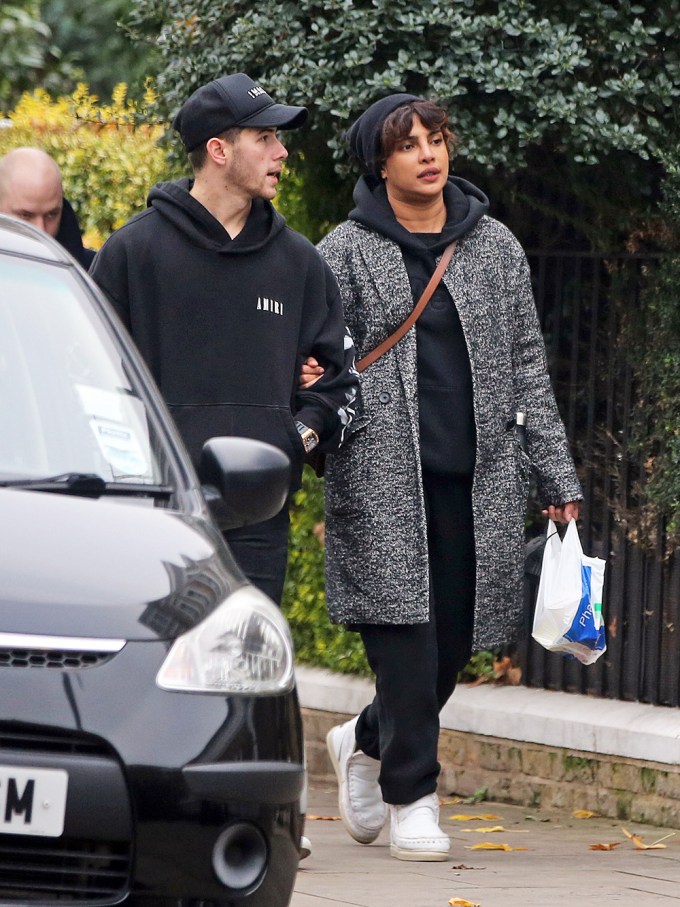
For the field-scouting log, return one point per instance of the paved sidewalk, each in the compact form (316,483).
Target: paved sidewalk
(557,867)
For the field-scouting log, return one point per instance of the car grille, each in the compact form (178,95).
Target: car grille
(46,871)
(52,658)
(21,737)
(42,871)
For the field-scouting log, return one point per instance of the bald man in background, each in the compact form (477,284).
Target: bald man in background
(31,189)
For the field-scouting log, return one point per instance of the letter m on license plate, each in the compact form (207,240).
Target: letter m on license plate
(32,800)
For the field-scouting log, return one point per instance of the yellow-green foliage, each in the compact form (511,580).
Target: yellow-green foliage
(109,154)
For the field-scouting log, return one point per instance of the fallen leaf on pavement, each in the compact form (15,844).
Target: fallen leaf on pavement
(486,817)
(487,830)
(605,846)
(487,845)
(463,866)
(311,818)
(461,902)
(451,801)
(585,814)
(640,844)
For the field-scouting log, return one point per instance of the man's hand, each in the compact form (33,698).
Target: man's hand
(564,513)
(310,372)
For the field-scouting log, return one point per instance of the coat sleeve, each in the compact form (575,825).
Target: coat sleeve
(546,438)
(328,405)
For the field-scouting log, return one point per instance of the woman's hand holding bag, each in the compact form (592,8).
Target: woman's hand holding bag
(568,616)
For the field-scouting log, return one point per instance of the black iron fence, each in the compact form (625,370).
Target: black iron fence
(585,302)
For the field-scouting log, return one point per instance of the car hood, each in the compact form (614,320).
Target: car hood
(87,567)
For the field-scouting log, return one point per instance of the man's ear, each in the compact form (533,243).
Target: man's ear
(218,150)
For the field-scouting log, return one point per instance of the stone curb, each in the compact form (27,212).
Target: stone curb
(606,726)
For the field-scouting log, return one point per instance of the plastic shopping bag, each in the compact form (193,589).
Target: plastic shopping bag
(568,616)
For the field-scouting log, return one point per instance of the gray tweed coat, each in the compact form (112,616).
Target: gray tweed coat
(376,546)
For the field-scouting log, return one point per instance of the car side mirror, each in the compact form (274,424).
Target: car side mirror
(252,478)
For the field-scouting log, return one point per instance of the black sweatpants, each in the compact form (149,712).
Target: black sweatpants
(261,551)
(416,665)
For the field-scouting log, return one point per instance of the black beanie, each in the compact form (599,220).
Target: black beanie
(363,136)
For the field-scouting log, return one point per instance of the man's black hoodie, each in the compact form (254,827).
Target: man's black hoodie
(224,324)
(447,429)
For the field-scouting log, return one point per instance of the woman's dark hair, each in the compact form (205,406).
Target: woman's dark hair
(398,124)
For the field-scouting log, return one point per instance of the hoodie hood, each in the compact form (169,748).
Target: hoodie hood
(465,206)
(70,237)
(173,202)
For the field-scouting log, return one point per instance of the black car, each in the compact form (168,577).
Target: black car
(150,735)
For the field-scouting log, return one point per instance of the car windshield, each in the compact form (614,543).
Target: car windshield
(67,405)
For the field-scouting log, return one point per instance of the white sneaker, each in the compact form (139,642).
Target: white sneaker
(415,833)
(360,800)
(305,847)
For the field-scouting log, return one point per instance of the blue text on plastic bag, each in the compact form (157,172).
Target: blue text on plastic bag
(583,628)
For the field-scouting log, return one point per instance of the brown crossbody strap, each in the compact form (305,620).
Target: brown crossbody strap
(383,347)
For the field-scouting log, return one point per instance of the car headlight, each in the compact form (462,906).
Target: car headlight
(244,646)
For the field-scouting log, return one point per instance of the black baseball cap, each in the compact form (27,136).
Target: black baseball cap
(232,101)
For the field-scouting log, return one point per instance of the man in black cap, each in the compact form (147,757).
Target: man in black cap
(225,301)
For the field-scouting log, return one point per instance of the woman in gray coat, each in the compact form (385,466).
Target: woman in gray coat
(425,503)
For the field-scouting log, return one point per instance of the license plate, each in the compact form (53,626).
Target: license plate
(32,801)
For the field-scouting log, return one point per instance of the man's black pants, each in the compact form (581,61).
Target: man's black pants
(261,551)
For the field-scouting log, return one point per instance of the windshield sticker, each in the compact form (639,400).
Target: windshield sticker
(121,431)
(121,449)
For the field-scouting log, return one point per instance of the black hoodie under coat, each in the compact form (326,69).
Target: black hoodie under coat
(447,428)
(224,324)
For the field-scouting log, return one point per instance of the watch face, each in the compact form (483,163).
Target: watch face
(308,436)
(309,440)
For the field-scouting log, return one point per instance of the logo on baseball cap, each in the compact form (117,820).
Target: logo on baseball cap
(232,101)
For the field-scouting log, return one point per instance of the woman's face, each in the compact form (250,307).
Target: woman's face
(417,170)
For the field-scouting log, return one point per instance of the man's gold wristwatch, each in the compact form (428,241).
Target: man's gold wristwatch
(309,437)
